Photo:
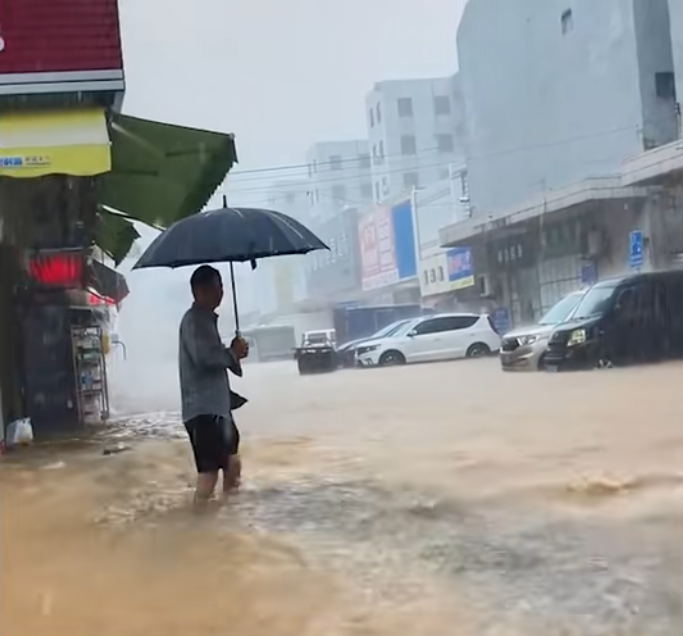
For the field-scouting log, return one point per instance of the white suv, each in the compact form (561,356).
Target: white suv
(439,337)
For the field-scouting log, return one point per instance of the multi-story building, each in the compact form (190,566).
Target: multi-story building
(556,92)
(557,97)
(339,177)
(676,11)
(288,274)
(415,133)
(290,197)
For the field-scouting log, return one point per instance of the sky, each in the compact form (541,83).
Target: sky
(280,74)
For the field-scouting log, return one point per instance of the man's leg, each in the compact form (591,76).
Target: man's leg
(206,485)
(232,471)
(206,448)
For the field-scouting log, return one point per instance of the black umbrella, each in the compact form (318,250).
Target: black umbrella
(229,235)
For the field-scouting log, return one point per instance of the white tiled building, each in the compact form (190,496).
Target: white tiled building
(415,132)
(339,177)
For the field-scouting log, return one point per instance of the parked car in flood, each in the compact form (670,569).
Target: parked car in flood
(428,339)
(636,318)
(523,349)
(346,354)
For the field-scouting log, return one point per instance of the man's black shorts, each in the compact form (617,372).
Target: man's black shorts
(214,439)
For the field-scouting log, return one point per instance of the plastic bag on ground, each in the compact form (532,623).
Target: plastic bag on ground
(19,433)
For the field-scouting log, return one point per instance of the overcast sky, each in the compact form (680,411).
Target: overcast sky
(280,74)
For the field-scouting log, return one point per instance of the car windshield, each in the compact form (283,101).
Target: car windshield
(390,330)
(317,337)
(594,302)
(561,311)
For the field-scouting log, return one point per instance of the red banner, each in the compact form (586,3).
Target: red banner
(48,37)
(377,249)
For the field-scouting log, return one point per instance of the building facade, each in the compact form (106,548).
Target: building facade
(557,92)
(283,276)
(676,11)
(339,175)
(415,132)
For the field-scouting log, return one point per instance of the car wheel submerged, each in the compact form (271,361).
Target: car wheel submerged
(392,358)
(478,350)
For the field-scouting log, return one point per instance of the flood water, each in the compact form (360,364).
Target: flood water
(434,500)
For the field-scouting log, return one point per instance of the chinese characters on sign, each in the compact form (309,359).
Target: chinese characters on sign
(378,253)
(28,161)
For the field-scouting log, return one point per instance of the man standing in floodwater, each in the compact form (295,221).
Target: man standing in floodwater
(203,363)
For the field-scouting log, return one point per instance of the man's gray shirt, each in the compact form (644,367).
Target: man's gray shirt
(203,362)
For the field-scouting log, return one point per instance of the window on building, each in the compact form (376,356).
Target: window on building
(444,143)
(339,193)
(385,186)
(378,111)
(408,145)
(380,153)
(364,160)
(366,190)
(665,85)
(405,107)
(336,162)
(411,180)
(567,22)
(442,105)
(378,192)
(371,113)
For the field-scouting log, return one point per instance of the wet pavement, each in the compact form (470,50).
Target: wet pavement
(405,500)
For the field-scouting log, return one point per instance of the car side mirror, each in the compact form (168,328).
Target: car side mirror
(412,334)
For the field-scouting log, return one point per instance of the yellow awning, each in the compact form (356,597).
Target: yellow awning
(71,142)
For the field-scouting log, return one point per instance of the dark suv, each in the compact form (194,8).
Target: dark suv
(635,318)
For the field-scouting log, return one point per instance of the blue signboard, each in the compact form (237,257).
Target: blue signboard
(404,240)
(635,249)
(460,267)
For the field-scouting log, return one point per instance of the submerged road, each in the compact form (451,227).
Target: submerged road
(435,499)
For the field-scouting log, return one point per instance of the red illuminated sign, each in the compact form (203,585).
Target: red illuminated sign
(59,46)
(57,269)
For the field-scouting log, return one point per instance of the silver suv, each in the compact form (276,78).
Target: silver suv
(523,349)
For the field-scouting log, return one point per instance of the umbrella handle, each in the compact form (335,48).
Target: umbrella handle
(233,288)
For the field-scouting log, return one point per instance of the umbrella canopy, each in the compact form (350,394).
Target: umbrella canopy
(229,235)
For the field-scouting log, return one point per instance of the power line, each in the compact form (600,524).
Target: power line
(498,153)
(306,166)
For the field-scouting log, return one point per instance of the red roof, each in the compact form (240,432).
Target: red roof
(51,36)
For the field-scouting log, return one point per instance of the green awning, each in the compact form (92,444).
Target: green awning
(115,234)
(162,173)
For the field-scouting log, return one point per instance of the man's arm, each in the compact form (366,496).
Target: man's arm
(203,344)
(235,365)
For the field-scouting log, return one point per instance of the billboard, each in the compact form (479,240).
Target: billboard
(387,246)
(460,268)
(377,249)
(59,46)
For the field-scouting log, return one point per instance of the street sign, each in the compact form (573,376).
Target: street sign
(635,249)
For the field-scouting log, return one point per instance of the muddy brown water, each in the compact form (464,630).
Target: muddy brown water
(429,500)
